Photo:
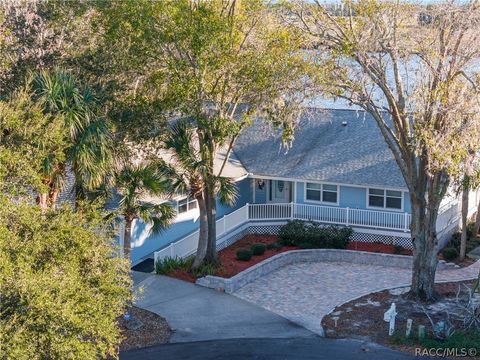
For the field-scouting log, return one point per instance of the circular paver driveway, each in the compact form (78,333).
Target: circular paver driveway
(306,292)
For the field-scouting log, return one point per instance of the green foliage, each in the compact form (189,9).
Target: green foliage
(169,264)
(460,339)
(48,126)
(291,233)
(258,249)
(274,246)
(450,253)
(472,242)
(206,268)
(312,235)
(397,249)
(61,288)
(134,182)
(244,254)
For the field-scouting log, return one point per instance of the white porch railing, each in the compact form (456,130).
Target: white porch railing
(188,245)
(286,211)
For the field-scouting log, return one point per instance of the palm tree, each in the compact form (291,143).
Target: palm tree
(87,140)
(134,183)
(187,175)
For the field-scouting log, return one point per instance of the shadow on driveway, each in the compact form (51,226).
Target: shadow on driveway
(239,349)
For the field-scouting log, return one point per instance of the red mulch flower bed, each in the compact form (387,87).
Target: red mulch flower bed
(230,266)
(376,247)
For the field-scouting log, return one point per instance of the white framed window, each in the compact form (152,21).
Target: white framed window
(324,193)
(385,199)
(186,204)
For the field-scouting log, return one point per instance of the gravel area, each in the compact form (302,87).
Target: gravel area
(154,330)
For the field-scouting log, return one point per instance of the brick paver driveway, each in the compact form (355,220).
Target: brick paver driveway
(306,292)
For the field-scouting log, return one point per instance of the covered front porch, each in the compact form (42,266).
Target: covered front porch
(330,215)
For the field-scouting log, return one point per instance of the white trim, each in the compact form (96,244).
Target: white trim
(404,189)
(305,200)
(384,208)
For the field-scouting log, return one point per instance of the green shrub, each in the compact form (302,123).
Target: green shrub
(169,264)
(311,235)
(274,246)
(292,232)
(258,249)
(205,269)
(244,254)
(450,253)
(397,249)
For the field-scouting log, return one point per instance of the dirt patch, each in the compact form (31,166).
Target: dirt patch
(154,330)
(363,318)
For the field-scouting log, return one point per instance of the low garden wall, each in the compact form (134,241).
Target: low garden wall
(234,283)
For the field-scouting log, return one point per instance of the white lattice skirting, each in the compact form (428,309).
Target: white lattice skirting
(361,235)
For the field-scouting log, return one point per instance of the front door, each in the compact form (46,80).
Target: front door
(279,191)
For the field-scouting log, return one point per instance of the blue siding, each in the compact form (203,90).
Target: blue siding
(353,197)
(300,193)
(260,194)
(144,243)
(406,203)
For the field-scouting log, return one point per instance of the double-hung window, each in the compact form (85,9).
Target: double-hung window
(387,199)
(186,204)
(322,193)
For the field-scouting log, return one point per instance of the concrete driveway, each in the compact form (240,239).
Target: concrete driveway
(196,313)
(267,349)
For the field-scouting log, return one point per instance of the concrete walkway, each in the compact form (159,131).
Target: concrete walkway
(196,313)
(306,292)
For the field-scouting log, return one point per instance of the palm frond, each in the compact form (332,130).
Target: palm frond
(159,216)
(180,140)
(227,191)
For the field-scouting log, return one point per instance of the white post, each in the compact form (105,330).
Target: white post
(405,229)
(291,210)
(348,213)
(171,250)
(408,332)
(389,316)
(248,211)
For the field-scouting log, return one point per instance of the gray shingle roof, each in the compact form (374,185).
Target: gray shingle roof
(323,150)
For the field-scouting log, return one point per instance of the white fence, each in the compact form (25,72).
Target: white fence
(188,245)
(395,221)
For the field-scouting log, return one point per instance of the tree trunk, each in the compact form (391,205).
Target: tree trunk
(53,197)
(127,238)
(425,248)
(42,201)
(212,225)
(463,238)
(476,228)
(202,233)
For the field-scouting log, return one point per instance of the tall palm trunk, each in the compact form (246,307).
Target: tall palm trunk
(463,238)
(127,237)
(202,233)
(212,227)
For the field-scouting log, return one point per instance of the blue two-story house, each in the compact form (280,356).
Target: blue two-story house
(338,170)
